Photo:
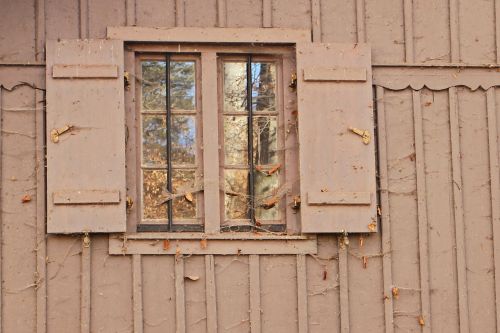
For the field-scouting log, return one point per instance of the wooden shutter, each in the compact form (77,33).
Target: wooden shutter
(85,136)
(337,166)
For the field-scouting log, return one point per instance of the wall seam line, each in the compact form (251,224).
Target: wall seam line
(180,16)
(39,29)
(267,13)
(454,31)
(221,13)
(1,211)
(180,301)
(495,192)
(344,286)
(84,19)
(316,20)
(360,21)
(254,280)
(131,12)
(385,209)
(463,303)
(302,293)
(85,289)
(497,29)
(408,30)
(137,293)
(211,294)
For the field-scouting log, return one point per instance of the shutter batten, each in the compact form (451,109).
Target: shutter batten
(85,136)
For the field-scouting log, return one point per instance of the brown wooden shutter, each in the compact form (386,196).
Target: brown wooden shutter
(337,166)
(85,136)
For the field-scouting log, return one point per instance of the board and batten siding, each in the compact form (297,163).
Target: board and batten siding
(435,264)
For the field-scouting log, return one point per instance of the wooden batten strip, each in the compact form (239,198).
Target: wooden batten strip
(85,290)
(344,287)
(85,71)
(84,19)
(339,198)
(360,21)
(463,302)
(130,6)
(335,74)
(211,295)
(255,309)
(41,244)
(495,190)
(180,15)
(210,148)
(180,301)
(408,26)
(316,20)
(423,226)
(386,223)
(497,29)
(137,292)
(221,13)
(39,30)
(86,197)
(454,31)
(302,293)
(267,13)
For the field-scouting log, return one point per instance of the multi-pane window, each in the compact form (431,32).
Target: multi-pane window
(170,158)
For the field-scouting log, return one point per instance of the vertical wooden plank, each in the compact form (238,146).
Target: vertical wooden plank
(463,303)
(497,29)
(267,10)
(255,322)
(422,213)
(316,20)
(408,19)
(221,13)
(344,286)
(302,293)
(360,21)
(39,29)
(495,191)
(180,301)
(211,299)
(84,19)
(211,142)
(180,17)
(454,32)
(386,223)
(41,244)
(85,289)
(130,8)
(137,292)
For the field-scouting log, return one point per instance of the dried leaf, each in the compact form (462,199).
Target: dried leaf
(269,203)
(257,223)
(365,262)
(395,292)
(192,278)
(166,244)
(324,190)
(274,169)
(258,167)
(379,211)
(177,253)
(26,198)
(372,226)
(325,274)
(361,241)
(421,320)
(203,243)
(428,104)
(189,196)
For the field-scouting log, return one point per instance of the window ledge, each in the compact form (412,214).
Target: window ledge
(200,244)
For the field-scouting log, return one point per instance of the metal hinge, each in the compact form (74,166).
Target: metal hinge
(364,134)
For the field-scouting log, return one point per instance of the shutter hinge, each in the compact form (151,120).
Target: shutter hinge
(86,240)
(364,134)
(296,202)
(130,203)
(56,133)
(126,79)
(293,81)
(344,240)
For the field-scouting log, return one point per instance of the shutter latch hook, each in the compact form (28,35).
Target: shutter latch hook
(86,240)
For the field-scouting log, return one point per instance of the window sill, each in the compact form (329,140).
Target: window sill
(200,244)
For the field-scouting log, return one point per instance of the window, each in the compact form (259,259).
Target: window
(252,178)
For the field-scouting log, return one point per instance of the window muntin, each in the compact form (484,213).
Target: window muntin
(170,142)
(251,185)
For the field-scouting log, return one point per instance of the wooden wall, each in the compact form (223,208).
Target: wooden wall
(435,266)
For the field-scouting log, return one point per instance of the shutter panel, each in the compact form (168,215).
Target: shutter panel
(337,166)
(85,136)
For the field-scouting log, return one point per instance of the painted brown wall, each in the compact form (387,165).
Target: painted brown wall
(439,174)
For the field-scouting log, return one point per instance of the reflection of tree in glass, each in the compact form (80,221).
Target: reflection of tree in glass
(182,85)
(153,85)
(154,140)
(235,85)
(183,138)
(154,192)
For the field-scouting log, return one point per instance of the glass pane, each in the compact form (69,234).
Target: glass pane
(155,194)
(183,140)
(265,141)
(266,200)
(154,140)
(263,86)
(235,84)
(183,182)
(182,85)
(235,140)
(153,85)
(236,194)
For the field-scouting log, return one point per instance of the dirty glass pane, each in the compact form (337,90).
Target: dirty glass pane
(266,199)
(183,182)
(153,85)
(183,140)
(263,86)
(154,194)
(182,85)
(154,140)
(236,194)
(265,141)
(235,140)
(235,84)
